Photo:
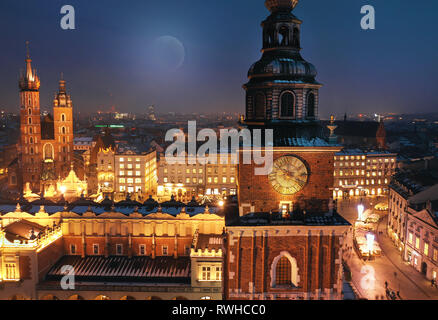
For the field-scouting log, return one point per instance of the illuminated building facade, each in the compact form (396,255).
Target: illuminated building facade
(360,173)
(118,251)
(135,174)
(203,178)
(413,220)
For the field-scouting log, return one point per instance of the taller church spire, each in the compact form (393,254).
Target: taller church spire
(29,80)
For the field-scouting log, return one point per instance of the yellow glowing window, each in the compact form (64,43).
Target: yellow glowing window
(426,249)
(411,237)
(417,243)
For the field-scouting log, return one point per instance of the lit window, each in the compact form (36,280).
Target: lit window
(137,173)
(122,159)
(119,249)
(411,236)
(122,180)
(426,249)
(417,243)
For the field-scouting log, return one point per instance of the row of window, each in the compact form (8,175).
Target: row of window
(359,173)
(199,180)
(426,250)
(356,182)
(119,249)
(287,105)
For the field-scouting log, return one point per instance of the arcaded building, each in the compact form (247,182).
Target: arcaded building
(124,250)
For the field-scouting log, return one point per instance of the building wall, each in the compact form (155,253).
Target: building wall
(251,252)
(257,195)
(363,174)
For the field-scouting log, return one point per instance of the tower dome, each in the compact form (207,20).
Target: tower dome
(277,5)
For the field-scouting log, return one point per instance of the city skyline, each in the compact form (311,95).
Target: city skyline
(113,58)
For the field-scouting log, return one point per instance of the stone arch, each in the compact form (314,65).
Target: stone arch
(296,37)
(49,297)
(295,278)
(284,35)
(153,298)
(102,297)
(75,297)
(287,104)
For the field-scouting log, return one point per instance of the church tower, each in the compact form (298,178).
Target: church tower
(63,129)
(30,125)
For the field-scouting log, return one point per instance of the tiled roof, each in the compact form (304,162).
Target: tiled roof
(124,269)
(209,241)
(275,218)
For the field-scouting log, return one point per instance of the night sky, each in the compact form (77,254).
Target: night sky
(113,58)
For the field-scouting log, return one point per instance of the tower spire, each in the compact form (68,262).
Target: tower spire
(30,80)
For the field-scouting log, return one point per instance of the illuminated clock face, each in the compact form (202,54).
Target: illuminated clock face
(289,175)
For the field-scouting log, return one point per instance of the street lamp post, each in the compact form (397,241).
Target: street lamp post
(360,210)
(370,244)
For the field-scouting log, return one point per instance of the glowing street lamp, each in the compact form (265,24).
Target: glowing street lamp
(63,189)
(370,243)
(360,210)
(221,203)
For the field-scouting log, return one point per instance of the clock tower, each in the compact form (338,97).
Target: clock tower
(286,240)
(282,94)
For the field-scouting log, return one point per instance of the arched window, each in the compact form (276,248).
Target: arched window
(63,130)
(30,140)
(48,151)
(30,120)
(30,130)
(284,36)
(287,108)
(310,105)
(62,117)
(260,106)
(31,150)
(284,271)
(29,111)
